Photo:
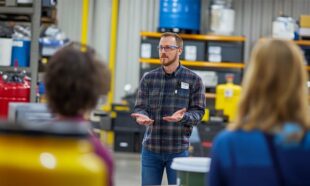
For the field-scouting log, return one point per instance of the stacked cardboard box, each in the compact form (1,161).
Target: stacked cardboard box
(304,30)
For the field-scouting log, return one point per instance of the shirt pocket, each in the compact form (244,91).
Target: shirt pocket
(154,99)
(182,98)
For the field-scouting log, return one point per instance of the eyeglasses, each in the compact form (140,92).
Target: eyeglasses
(167,48)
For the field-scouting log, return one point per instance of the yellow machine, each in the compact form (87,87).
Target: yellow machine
(227,98)
(37,158)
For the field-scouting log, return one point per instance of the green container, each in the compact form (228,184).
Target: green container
(191,171)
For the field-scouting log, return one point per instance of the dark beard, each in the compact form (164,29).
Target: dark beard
(168,63)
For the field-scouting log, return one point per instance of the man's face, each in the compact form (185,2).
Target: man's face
(169,51)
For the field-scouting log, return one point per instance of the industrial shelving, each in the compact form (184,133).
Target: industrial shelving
(198,63)
(34,12)
(237,65)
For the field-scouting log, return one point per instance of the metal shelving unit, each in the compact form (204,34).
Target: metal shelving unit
(16,10)
(222,66)
(199,37)
(198,63)
(35,13)
(9,68)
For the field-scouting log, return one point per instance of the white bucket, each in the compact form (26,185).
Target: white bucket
(283,28)
(191,170)
(192,164)
(222,20)
(5,51)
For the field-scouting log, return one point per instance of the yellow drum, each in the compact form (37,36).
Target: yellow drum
(54,155)
(227,98)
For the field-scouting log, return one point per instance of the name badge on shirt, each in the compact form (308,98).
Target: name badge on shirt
(184,85)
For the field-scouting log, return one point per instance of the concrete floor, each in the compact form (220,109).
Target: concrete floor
(127,169)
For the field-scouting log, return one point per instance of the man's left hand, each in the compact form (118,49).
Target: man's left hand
(177,116)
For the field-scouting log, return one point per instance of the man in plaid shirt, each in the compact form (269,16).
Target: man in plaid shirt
(170,101)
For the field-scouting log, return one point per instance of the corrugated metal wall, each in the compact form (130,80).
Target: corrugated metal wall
(134,16)
(99,36)
(253,20)
(69,17)
(254,17)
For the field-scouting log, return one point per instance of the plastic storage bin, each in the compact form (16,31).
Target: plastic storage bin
(5,51)
(49,47)
(124,141)
(21,52)
(149,48)
(191,171)
(194,50)
(226,51)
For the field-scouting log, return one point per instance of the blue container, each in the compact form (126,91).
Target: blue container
(41,88)
(180,15)
(21,52)
(48,46)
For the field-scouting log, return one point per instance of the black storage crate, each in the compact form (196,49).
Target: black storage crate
(124,141)
(124,122)
(207,131)
(148,48)
(194,50)
(221,78)
(306,51)
(230,51)
(128,141)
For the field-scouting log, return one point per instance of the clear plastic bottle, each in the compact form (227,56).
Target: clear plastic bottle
(284,27)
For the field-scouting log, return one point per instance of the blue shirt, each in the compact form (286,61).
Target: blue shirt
(162,94)
(243,158)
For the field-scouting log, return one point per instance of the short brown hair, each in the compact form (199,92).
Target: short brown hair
(75,80)
(274,88)
(178,39)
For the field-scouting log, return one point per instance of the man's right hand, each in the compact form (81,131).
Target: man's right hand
(142,119)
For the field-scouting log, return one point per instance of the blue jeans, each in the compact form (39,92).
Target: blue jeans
(153,165)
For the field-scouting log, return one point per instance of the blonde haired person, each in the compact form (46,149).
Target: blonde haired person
(269,144)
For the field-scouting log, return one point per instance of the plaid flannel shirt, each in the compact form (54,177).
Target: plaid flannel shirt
(162,94)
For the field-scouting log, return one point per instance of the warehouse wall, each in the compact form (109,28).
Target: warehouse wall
(69,17)
(134,16)
(254,17)
(253,20)
(99,37)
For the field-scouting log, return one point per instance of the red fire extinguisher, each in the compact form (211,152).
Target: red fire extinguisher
(14,87)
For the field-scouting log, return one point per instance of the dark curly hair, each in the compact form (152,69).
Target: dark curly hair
(75,79)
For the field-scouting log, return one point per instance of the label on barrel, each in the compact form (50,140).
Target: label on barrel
(18,43)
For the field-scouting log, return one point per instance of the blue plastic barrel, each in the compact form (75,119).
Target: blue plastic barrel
(180,15)
(21,52)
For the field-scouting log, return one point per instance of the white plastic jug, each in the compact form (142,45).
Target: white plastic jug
(222,20)
(283,27)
